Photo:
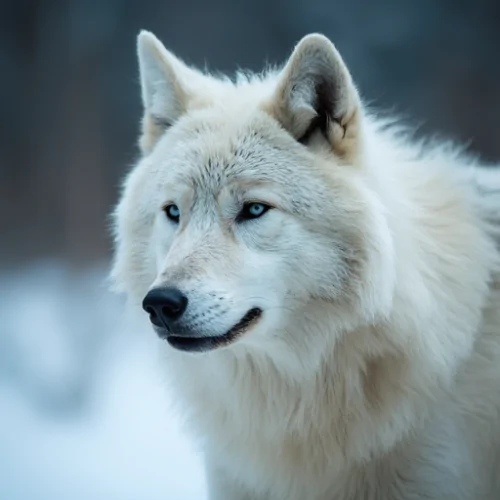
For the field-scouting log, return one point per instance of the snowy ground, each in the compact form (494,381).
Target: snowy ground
(84,414)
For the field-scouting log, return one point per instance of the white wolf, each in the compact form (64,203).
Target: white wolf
(329,292)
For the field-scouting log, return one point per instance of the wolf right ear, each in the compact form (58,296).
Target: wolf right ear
(315,92)
(165,94)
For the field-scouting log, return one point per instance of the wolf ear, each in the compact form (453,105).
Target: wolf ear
(315,92)
(164,95)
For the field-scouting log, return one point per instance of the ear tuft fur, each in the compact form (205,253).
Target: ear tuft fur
(315,92)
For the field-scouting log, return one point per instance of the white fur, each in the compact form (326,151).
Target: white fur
(374,372)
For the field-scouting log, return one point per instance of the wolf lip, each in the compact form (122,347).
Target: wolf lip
(202,344)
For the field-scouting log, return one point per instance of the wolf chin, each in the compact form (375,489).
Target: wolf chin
(327,288)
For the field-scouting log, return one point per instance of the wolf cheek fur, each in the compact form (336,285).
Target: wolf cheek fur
(373,367)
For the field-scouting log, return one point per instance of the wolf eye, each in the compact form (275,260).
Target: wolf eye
(172,212)
(252,210)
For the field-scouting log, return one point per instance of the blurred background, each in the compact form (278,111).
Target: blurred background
(83,410)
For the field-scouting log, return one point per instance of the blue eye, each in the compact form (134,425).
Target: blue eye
(172,212)
(252,210)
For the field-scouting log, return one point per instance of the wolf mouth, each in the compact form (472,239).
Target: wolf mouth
(202,344)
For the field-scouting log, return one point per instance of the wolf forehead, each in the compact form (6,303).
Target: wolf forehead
(208,151)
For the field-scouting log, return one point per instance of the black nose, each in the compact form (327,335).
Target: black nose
(164,305)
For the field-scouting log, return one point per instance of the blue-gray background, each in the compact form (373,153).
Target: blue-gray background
(81,406)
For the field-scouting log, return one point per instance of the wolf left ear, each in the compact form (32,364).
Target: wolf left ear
(164,85)
(315,92)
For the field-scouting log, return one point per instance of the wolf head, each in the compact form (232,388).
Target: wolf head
(252,212)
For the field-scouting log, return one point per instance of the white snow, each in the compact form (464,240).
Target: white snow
(84,410)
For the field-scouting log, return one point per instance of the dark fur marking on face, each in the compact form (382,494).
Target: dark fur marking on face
(212,171)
